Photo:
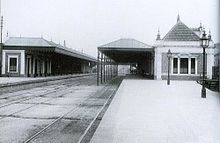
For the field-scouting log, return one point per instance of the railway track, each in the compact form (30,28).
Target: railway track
(66,87)
(60,91)
(22,96)
(106,89)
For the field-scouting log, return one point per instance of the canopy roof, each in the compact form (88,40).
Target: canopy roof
(27,42)
(126,50)
(131,44)
(40,43)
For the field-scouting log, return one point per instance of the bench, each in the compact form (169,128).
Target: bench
(211,84)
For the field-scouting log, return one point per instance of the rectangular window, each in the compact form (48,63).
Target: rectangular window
(193,66)
(184,66)
(175,65)
(13,64)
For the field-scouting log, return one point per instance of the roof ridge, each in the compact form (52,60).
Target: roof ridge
(130,39)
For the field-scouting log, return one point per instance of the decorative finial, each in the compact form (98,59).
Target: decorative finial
(209,36)
(64,43)
(178,17)
(200,26)
(158,35)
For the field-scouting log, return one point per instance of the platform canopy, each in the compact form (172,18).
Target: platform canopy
(40,44)
(126,50)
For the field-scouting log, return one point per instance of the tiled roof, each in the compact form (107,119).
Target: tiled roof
(180,32)
(29,42)
(126,43)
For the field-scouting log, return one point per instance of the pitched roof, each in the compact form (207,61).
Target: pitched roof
(126,43)
(27,41)
(180,32)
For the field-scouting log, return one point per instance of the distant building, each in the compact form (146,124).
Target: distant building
(216,61)
(39,57)
(186,61)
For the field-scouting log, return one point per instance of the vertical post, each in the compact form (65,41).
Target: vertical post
(105,79)
(1,45)
(116,69)
(111,67)
(169,54)
(33,65)
(203,76)
(168,80)
(178,66)
(98,69)
(101,66)
(108,68)
(104,68)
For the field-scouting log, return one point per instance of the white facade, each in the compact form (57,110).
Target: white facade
(182,50)
(19,55)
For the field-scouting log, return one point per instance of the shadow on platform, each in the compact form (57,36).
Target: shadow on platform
(138,76)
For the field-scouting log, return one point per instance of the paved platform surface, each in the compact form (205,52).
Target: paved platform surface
(149,111)
(6,80)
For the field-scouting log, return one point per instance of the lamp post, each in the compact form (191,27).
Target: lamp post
(169,54)
(204,43)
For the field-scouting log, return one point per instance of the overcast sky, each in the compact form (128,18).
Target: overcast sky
(86,24)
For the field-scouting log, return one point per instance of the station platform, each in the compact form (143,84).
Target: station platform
(8,81)
(11,84)
(150,111)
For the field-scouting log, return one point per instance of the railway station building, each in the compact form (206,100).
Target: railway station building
(186,61)
(152,61)
(33,57)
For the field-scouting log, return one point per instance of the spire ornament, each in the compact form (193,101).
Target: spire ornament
(178,18)
(158,35)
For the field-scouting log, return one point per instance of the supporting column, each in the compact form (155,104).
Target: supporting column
(38,66)
(98,69)
(178,65)
(111,67)
(43,67)
(50,67)
(33,64)
(101,68)
(104,60)
(171,67)
(104,68)
(189,66)
(30,65)
(108,73)
(196,71)
(158,60)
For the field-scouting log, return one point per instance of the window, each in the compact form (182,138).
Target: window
(184,66)
(175,65)
(193,67)
(13,64)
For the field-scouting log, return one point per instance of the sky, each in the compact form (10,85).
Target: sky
(87,24)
